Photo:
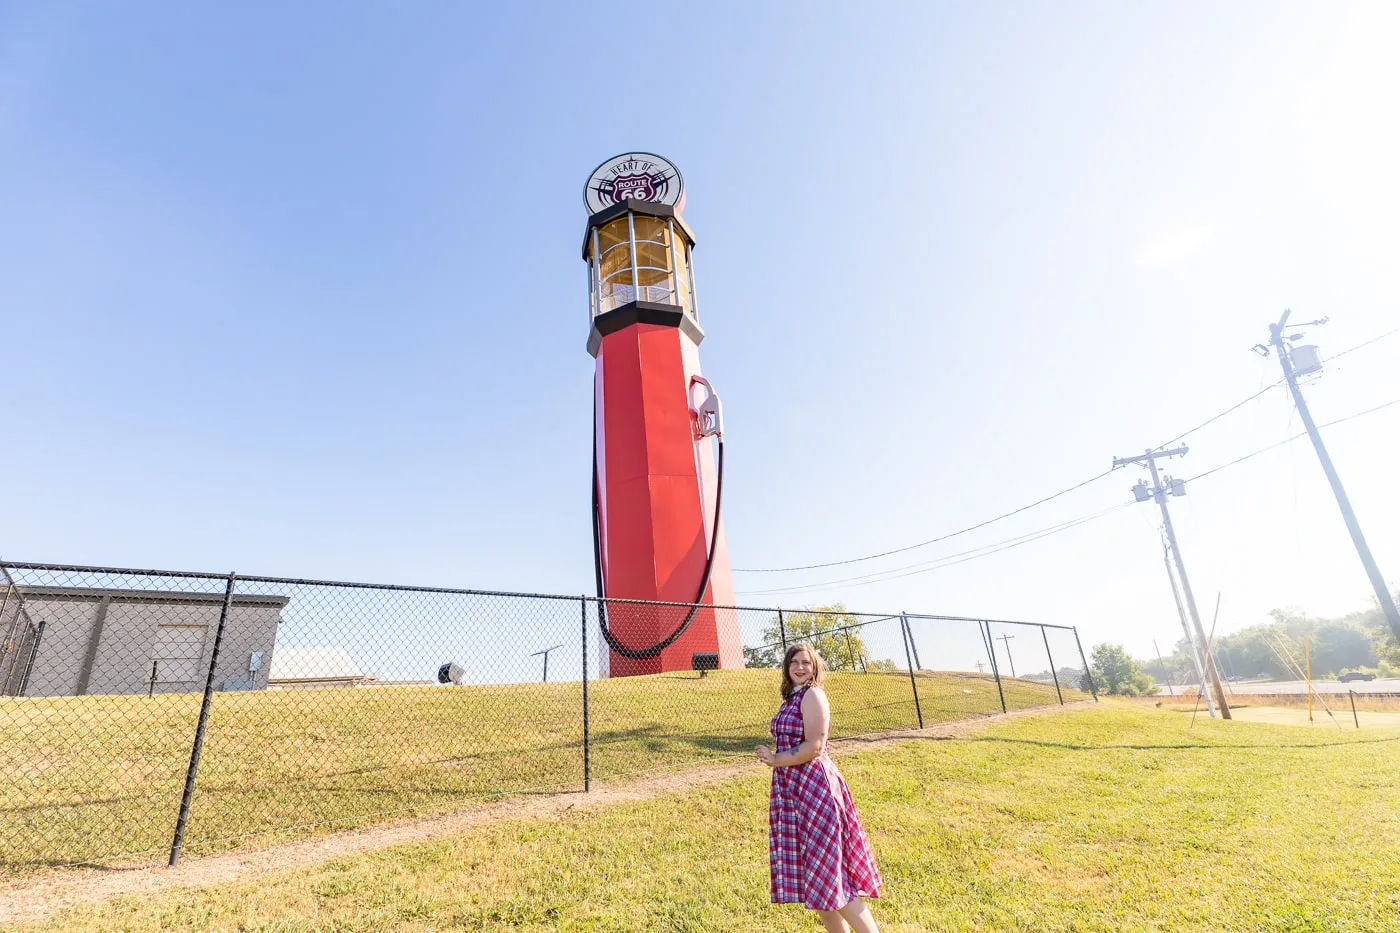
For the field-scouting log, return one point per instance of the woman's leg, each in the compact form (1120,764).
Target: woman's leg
(859,917)
(832,922)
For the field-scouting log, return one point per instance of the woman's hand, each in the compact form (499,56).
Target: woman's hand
(765,755)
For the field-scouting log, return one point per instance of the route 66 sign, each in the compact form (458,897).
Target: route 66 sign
(640,176)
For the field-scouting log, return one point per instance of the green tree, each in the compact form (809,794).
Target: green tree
(1254,651)
(830,629)
(1373,622)
(768,655)
(1116,673)
(1338,645)
(1357,640)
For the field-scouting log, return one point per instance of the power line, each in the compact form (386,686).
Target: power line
(1394,401)
(948,560)
(962,557)
(1289,440)
(1214,418)
(982,524)
(1271,387)
(977,551)
(990,521)
(1365,343)
(1041,501)
(900,550)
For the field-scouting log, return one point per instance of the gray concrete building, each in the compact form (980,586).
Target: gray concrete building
(76,641)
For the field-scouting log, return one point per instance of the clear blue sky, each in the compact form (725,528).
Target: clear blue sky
(296,290)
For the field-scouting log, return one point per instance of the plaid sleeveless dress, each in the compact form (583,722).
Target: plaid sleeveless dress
(818,853)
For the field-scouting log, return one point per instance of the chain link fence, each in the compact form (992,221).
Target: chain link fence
(148,713)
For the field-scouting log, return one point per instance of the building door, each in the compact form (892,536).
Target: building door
(176,655)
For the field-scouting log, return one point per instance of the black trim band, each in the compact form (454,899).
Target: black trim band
(641,312)
(638,312)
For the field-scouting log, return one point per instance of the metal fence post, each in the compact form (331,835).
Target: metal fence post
(914,684)
(996,671)
(184,818)
(782,631)
(913,644)
(1352,695)
(587,749)
(33,653)
(12,638)
(1051,657)
(1088,674)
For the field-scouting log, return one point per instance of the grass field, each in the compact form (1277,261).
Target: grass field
(100,778)
(1339,702)
(1113,819)
(1298,716)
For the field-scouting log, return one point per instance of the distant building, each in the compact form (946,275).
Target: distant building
(76,641)
(315,667)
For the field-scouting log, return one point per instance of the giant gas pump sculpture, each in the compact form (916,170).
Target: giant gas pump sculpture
(657,485)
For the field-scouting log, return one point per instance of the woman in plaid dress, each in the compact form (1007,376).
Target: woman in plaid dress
(817,849)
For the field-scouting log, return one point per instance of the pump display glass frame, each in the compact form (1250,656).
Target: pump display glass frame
(640,257)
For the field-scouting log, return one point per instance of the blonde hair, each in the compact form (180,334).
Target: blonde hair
(818,667)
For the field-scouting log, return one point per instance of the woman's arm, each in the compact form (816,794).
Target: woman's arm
(816,721)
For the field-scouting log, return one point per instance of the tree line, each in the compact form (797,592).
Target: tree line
(1358,641)
(833,630)
(1274,650)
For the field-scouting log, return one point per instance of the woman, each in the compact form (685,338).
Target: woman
(817,850)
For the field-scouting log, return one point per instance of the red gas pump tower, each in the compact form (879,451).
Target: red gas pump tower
(658,464)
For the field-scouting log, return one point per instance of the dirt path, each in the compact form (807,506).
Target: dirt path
(32,899)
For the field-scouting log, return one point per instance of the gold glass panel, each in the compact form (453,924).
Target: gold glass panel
(650,228)
(653,254)
(612,233)
(616,260)
(654,277)
(682,275)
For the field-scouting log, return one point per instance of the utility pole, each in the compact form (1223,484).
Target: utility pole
(1159,492)
(1312,364)
(1006,640)
(545,652)
(1186,627)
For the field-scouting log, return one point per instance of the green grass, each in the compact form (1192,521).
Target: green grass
(1099,821)
(1339,702)
(100,778)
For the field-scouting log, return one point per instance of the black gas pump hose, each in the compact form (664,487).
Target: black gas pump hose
(636,653)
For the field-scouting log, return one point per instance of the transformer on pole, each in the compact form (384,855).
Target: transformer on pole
(1301,360)
(1158,491)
